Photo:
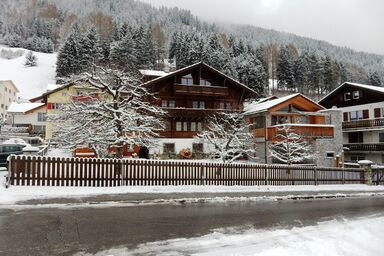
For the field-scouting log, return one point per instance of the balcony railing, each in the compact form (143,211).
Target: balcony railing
(178,134)
(312,131)
(365,147)
(200,90)
(368,123)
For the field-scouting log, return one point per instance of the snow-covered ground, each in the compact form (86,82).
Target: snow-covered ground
(361,236)
(15,194)
(31,81)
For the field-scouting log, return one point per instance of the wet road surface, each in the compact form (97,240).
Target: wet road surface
(61,231)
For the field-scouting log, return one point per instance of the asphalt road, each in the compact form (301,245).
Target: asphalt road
(61,231)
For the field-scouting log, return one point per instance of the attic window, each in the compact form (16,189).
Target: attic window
(347,96)
(356,94)
(187,80)
(204,82)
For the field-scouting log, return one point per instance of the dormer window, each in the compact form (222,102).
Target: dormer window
(347,96)
(356,95)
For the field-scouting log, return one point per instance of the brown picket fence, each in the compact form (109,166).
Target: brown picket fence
(56,171)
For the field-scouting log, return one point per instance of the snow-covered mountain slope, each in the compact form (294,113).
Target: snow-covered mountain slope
(31,81)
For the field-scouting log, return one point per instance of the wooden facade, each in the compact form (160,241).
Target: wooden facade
(191,94)
(296,111)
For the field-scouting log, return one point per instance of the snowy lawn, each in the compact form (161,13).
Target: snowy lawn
(31,81)
(14,194)
(362,236)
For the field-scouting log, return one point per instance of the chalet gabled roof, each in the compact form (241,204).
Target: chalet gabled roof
(198,64)
(268,105)
(363,86)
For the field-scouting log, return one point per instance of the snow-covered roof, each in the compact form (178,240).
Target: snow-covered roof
(51,87)
(176,72)
(148,72)
(265,105)
(365,86)
(23,107)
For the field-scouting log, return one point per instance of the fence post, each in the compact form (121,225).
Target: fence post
(265,175)
(367,165)
(202,176)
(343,175)
(315,175)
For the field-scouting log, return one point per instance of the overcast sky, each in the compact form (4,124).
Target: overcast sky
(358,24)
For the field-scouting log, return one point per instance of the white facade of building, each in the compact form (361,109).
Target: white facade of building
(32,115)
(8,94)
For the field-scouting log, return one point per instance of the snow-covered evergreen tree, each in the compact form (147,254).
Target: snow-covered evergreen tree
(30,59)
(285,73)
(290,147)
(114,115)
(69,58)
(228,136)
(374,79)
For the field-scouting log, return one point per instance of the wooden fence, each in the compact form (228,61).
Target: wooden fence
(54,171)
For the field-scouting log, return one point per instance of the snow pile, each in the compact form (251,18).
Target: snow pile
(362,236)
(31,81)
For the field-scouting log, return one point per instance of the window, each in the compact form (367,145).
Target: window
(56,105)
(347,96)
(193,126)
(187,80)
(41,117)
(199,126)
(381,137)
(169,148)
(330,154)
(185,126)
(204,82)
(279,120)
(357,158)
(195,104)
(356,95)
(197,147)
(178,126)
(356,115)
(355,137)
(168,103)
(257,122)
(222,105)
(302,120)
(202,104)
(228,106)
(198,104)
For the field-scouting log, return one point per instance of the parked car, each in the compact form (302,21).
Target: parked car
(9,149)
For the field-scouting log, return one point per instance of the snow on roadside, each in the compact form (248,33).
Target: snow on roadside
(362,236)
(14,194)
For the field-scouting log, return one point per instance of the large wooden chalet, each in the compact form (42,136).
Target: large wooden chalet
(190,95)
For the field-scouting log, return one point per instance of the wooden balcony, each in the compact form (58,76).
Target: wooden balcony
(193,112)
(200,90)
(311,131)
(367,123)
(365,147)
(177,134)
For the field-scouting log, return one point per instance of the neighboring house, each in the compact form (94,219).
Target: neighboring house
(31,115)
(56,97)
(190,95)
(322,128)
(363,119)
(8,92)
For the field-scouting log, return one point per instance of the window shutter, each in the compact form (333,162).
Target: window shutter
(365,114)
(377,112)
(345,114)
(49,106)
